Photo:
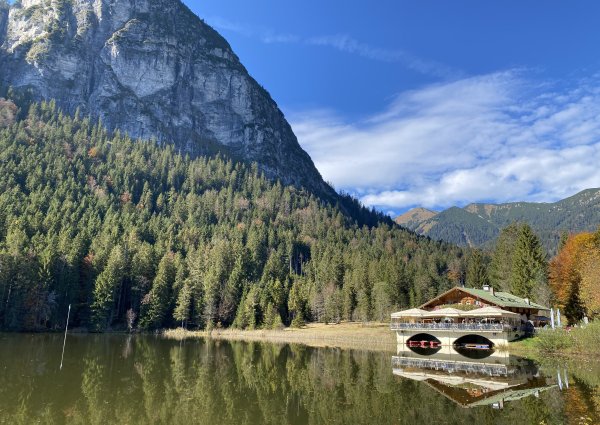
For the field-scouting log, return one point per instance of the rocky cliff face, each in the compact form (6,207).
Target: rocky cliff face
(4,8)
(153,69)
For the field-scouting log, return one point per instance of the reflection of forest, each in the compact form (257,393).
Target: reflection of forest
(119,379)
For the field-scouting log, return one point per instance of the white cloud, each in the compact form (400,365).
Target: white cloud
(227,25)
(270,37)
(501,137)
(345,43)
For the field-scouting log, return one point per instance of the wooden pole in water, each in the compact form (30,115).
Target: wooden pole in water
(65,341)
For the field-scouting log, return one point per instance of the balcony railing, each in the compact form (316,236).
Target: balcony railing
(451,366)
(456,327)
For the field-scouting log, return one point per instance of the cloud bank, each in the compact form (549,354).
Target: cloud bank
(500,137)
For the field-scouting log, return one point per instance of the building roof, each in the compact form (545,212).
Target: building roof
(490,312)
(446,312)
(413,312)
(501,299)
(453,312)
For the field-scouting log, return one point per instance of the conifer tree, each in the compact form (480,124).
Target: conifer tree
(298,302)
(501,267)
(107,285)
(529,263)
(156,302)
(184,304)
(248,313)
(477,275)
(195,278)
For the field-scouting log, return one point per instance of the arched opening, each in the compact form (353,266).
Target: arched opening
(473,342)
(474,354)
(424,344)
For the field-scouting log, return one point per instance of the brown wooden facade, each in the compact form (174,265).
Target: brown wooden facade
(464,297)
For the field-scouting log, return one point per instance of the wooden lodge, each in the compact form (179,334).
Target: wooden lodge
(487,297)
(468,318)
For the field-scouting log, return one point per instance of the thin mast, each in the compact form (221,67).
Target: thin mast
(65,341)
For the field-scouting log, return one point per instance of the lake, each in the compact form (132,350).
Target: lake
(110,379)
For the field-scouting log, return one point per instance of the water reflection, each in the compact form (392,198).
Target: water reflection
(472,378)
(118,379)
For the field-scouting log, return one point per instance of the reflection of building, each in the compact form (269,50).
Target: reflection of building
(466,317)
(469,382)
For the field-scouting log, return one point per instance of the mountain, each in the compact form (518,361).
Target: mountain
(457,225)
(413,218)
(477,225)
(151,69)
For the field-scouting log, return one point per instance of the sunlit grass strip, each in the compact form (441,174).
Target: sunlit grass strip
(576,341)
(376,337)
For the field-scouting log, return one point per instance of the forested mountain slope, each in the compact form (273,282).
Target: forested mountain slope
(478,225)
(151,69)
(135,233)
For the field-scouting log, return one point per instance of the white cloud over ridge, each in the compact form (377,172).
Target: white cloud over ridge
(500,137)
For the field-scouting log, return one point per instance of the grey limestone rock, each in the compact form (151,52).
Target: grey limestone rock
(153,69)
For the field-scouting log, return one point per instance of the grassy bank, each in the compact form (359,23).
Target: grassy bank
(583,341)
(377,336)
(370,336)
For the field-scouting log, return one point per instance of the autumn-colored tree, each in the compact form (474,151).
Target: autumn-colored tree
(8,113)
(565,274)
(590,283)
(456,272)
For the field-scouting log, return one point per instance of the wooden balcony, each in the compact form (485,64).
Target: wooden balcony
(456,327)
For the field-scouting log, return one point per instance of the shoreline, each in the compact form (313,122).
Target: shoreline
(347,335)
(371,336)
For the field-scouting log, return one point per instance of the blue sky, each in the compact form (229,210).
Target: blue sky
(431,103)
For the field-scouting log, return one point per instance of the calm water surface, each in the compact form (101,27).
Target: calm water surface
(115,379)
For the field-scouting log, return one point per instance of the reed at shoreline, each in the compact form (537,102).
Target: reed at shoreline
(364,336)
(378,337)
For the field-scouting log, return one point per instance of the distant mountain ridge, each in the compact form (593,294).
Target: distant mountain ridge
(411,219)
(477,225)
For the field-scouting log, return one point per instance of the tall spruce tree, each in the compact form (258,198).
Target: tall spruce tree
(105,290)
(501,266)
(157,302)
(184,304)
(529,263)
(477,274)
